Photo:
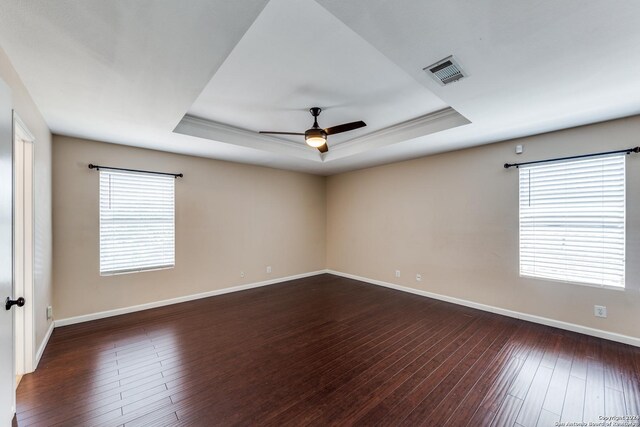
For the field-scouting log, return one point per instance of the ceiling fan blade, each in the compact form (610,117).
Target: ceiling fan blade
(323,148)
(281,133)
(345,127)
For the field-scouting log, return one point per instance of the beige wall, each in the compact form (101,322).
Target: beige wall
(30,115)
(229,218)
(454,219)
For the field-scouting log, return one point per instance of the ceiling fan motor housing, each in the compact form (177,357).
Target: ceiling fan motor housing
(315,133)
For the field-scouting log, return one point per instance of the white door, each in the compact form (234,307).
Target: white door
(23,150)
(7,371)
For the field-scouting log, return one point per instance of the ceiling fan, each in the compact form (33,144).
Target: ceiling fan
(317,137)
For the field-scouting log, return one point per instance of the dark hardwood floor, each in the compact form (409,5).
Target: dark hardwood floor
(326,350)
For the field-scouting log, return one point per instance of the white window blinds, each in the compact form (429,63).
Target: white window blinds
(572,220)
(136,222)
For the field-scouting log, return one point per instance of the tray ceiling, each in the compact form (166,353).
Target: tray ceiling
(297,55)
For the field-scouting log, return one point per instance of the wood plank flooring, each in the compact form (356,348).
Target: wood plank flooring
(325,351)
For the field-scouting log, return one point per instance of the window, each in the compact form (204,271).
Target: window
(572,220)
(137,227)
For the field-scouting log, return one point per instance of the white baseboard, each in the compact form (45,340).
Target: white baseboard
(43,345)
(497,310)
(134,308)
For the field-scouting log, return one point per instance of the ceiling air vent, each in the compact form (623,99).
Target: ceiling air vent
(445,71)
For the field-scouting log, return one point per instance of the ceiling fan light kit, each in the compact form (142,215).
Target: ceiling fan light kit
(316,137)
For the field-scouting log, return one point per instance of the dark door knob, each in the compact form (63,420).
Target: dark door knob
(10,303)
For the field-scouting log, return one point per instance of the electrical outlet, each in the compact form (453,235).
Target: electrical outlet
(600,311)
(397,273)
(268,269)
(49,312)
(418,277)
(242,274)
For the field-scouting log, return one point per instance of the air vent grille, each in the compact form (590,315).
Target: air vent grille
(445,71)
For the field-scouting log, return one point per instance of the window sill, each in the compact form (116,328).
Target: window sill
(141,270)
(605,287)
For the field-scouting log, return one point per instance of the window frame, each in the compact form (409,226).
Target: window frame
(100,222)
(621,288)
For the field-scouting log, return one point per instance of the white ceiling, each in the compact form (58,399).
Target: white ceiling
(128,72)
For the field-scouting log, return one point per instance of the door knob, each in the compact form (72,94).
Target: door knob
(10,303)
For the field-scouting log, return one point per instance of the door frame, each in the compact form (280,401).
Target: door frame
(24,245)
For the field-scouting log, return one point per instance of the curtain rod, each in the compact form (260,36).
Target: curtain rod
(627,151)
(98,167)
